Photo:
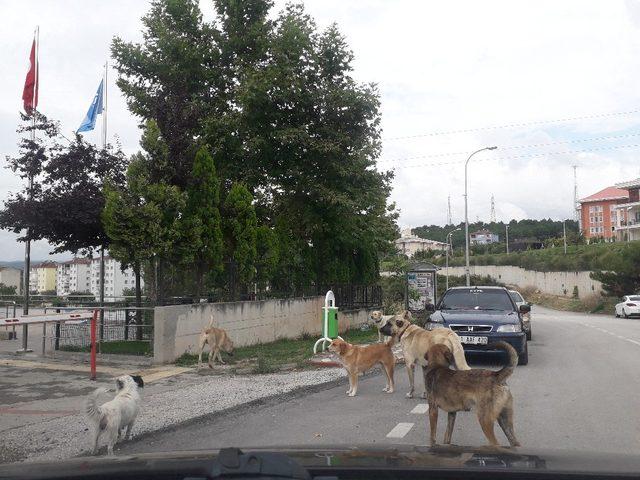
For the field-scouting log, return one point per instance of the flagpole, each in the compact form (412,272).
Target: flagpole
(27,245)
(104,146)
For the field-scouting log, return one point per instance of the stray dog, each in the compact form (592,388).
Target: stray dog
(218,340)
(417,341)
(113,416)
(379,320)
(360,358)
(486,390)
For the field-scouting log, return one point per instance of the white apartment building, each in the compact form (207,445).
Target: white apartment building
(73,276)
(410,244)
(11,277)
(115,280)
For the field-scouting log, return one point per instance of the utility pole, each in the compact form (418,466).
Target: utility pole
(564,235)
(575,192)
(449,247)
(506,229)
(492,216)
(449,220)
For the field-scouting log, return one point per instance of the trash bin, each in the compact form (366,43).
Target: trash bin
(332,323)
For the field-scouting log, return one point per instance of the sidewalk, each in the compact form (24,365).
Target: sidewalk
(41,400)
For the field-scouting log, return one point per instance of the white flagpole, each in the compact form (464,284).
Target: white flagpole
(104,107)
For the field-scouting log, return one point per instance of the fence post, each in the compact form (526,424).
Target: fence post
(126,324)
(57,344)
(94,319)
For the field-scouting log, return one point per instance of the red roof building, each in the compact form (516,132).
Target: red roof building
(598,214)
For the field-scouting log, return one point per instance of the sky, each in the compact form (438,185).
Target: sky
(551,84)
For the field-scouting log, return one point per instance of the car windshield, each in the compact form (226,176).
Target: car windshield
(516,297)
(476,299)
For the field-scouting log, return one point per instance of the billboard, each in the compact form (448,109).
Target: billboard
(424,283)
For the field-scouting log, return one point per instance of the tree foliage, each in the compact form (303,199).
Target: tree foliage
(622,276)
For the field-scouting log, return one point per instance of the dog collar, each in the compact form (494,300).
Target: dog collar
(400,336)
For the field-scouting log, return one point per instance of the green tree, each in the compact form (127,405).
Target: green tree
(267,255)
(240,232)
(622,276)
(203,214)
(8,289)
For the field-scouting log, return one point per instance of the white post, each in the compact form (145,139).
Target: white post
(564,236)
(329,301)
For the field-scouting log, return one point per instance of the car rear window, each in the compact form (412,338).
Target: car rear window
(516,297)
(476,299)
(635,298)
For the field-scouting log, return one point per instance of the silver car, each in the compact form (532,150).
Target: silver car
(518,299)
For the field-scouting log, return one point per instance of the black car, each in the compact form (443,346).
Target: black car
(482,316)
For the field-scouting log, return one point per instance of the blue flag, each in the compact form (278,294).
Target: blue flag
(95,109)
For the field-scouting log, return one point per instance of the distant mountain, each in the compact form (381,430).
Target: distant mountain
(17,263)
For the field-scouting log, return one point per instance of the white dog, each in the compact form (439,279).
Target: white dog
(380,321)
(111,417)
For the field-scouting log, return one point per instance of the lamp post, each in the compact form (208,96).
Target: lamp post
(506,229)
(447,257)
(466,215)
(628,229)
(564,235)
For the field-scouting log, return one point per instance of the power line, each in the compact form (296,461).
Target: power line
(528,155)
(513,125)
(513,147)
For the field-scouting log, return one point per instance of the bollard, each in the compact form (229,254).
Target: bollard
(94,320)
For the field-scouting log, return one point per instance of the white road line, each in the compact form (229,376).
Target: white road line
(420,408)
(400,430)
(621,337)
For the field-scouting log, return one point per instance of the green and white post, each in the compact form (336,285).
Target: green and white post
(330,321)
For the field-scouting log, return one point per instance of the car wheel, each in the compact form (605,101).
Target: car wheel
(529,334)
(617,314)
(523,358)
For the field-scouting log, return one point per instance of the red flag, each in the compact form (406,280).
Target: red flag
(30,93)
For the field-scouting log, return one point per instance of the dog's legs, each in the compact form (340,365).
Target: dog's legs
(113,438)
(96,435)
(353,380)
(433,422)
(451,420)
(424,376)
(127,435)
(350,383)
(411,370)
(200,356)
(388,370)
(505,420)
(379,336)
(486,423)
(211,357)
(219,354)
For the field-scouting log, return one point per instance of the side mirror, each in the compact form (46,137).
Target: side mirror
(430,307)
(525,308)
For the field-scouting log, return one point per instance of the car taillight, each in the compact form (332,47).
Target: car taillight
(631,305)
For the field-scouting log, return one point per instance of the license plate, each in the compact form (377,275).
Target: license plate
(473,340)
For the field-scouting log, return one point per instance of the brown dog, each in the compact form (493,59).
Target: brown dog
(417,341)
(360,358)
(218,340)
(486,390)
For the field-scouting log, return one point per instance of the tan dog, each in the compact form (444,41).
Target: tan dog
(484,390)
(417,341)
(379,320)
(218,340)
(360,358)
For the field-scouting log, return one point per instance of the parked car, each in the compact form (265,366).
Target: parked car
(482,316)
(526,317)
(629,306)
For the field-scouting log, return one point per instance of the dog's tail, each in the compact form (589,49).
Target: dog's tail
(508,369)
(458,355)
(91,407)
(391,341)
(210,321)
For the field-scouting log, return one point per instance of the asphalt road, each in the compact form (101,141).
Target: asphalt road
(579,392)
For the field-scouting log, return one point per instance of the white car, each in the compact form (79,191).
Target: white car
(518,299)
(629,306)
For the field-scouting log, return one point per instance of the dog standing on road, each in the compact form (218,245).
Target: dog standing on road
(379,320)
(111,417)
(479,388)
(358,359)
(417,341)
(218,340)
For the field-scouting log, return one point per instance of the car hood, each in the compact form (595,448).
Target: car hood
(474,316)
(331,460)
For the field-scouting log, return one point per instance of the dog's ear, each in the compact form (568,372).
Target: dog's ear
(449,356)
(138,380)
(119,384)
(399,323)
(407,315)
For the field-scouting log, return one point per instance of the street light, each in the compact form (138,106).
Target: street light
(447,256)
(564,235)
(466,216)
(506,229)
(628,229)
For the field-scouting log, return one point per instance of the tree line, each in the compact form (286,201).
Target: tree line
(256,167)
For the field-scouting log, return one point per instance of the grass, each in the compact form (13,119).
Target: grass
(132,347)
(590,304)
(271,357)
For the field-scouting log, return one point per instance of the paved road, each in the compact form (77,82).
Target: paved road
(579,392)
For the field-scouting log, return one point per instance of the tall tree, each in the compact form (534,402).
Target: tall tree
(203,215)
(267,255)
(240,232)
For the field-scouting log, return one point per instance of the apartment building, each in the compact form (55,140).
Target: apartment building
(11,277)
(600,215)
(483,237)
(73,276)
(628,212)
(115,280)
(409,244)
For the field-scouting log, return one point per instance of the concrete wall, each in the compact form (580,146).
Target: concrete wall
(177,327)
(553,283)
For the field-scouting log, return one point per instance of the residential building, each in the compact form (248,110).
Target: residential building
(45,277)
(410,244)
(628,212)
(599,213)
(73,276)
(115,280)
(483,237)
(11,277)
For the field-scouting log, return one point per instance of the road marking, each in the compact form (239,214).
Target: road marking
(621,337)
(400,430)
(420,408)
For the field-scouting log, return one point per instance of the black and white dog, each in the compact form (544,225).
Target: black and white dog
(380,320)
(111,417)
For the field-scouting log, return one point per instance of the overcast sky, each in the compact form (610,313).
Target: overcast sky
(448,73)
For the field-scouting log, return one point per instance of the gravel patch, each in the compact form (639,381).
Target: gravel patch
(64,437)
